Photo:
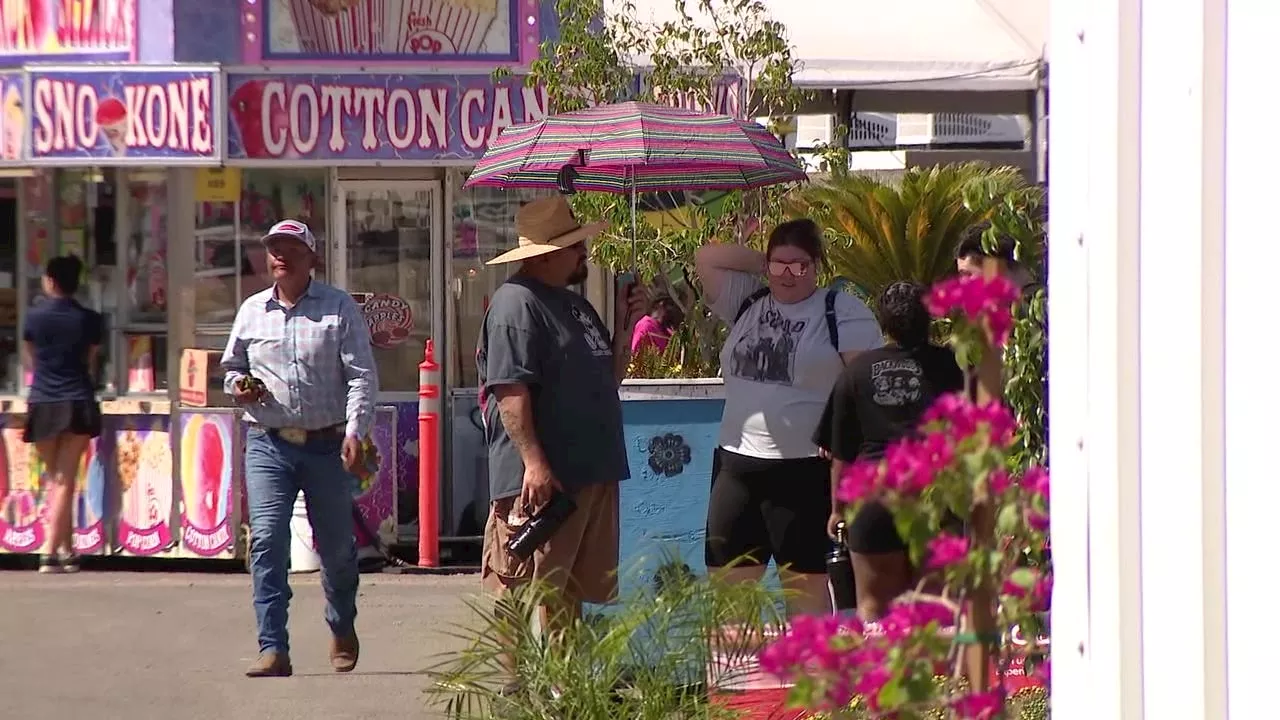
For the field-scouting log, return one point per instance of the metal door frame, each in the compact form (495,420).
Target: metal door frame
(337,261)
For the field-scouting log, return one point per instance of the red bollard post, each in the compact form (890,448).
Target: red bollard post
(429,459)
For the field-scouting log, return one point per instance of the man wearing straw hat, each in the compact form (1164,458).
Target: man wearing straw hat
(549,375)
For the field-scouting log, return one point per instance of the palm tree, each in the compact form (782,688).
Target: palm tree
(883,232)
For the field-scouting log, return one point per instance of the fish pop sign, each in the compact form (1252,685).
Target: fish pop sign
(115,116)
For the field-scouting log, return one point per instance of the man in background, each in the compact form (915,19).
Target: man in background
(299,362)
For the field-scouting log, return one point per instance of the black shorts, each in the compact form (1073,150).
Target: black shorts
(873,531)
(768,508)
(47,420)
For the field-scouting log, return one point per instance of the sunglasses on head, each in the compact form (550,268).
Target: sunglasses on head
(798,268)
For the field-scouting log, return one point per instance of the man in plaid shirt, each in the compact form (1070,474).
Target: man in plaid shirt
(299,362)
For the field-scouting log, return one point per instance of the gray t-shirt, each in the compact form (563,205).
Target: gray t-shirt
(553,341)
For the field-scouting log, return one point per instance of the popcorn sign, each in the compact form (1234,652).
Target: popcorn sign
(115,116)
(372,117)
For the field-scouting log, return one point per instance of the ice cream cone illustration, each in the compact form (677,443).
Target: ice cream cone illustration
(113,121)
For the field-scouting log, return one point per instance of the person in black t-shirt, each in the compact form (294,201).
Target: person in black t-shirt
(61,341)
(879,398)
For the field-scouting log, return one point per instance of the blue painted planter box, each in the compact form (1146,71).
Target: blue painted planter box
(671,430)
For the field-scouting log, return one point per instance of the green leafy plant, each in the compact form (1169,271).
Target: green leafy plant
(647,658)
(883,232)
(1019,219)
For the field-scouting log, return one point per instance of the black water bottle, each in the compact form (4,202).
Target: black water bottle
(539,528)
(840,574)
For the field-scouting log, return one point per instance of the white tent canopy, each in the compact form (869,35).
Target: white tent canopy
(902,48)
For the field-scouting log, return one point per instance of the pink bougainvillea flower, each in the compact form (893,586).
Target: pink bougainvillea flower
(946,550)
(937,452)
(1043,671)
(999,482)
(807,645)
(959,419)
(908,617)
(1039,595)
(1042,593)
(1036,481)
(1000,423)
(870,683)
(859,481)
(904,469)
(985,302)
(978,706)
(1037,520)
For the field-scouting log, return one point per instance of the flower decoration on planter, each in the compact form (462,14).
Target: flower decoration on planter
(668,454)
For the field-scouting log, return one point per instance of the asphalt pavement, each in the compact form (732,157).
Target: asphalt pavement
(144,645)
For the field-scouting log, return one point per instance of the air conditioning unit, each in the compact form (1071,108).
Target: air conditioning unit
(813,131)
(942,129)
(873,131)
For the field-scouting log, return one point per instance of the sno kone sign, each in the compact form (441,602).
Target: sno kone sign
(116,116)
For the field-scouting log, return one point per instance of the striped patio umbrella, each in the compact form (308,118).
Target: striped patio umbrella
(636,147)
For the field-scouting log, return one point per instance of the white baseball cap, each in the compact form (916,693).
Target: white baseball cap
(292,230)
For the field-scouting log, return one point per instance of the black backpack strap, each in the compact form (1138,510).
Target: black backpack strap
(833,329)
(746,304)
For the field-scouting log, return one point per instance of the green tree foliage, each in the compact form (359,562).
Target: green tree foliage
(883,232)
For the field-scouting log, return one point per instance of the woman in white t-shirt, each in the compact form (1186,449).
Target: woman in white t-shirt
(771,488)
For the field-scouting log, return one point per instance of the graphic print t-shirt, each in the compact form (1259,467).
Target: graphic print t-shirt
(553,341)
(881,396)
(779,366)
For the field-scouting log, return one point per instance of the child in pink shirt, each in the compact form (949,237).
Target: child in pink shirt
(657,327)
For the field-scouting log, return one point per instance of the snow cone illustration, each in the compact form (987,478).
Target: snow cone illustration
(205,472)
(439,27)
(341,27)
(112,118)
(252,121)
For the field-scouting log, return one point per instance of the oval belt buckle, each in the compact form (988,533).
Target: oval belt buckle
(297,436)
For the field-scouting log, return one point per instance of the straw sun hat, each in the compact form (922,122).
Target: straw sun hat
(546,225)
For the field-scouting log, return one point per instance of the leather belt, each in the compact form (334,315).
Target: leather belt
(301,436)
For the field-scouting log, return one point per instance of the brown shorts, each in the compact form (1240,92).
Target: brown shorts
(581,558)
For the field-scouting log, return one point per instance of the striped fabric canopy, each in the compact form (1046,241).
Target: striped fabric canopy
(637,147)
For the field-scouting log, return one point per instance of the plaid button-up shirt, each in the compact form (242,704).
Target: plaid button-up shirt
(314,358)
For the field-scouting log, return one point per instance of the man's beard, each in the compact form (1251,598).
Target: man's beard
(578,276)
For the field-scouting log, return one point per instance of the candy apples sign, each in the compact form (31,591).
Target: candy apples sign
(372,118)
(118,117)
(390,318)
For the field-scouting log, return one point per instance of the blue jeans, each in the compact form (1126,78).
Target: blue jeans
(275,470)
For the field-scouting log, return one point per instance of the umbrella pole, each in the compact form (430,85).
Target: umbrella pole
(633,222)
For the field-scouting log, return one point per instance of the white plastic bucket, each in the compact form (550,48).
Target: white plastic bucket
(303,557)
